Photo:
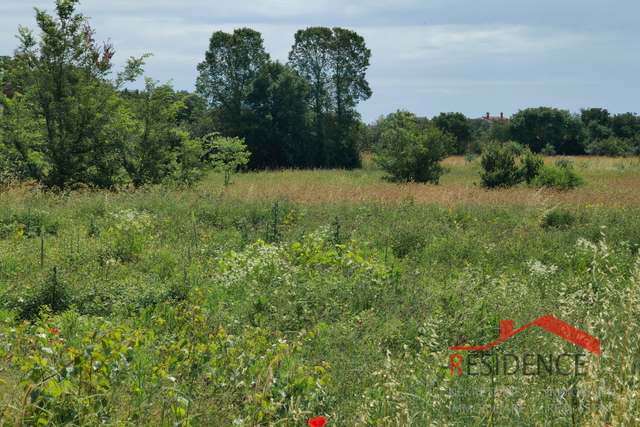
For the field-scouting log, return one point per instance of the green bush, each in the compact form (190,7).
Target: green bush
(612,147)
(530,165)
(409,152)
(515,147)
(561,178)
(500,170)
(558,218)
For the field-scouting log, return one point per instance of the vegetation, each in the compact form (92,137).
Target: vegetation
(168,306)
(500,170)
(299,297)
(409,152)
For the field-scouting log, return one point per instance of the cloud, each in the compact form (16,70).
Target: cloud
(428,56)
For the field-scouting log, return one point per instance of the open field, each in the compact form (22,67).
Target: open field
(610,181)
(294,294)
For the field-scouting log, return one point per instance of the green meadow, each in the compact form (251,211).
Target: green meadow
(295,294)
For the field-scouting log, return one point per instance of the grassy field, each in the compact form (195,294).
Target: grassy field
(294,294)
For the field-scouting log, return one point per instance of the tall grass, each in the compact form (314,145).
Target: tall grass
(295,294)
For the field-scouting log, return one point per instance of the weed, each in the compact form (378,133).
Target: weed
(558,218)
(52,295)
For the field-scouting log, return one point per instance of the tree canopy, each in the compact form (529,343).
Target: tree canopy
(65,123)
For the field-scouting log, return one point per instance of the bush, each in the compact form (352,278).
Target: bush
(561,178)
(530,165)
(558,218)
(612,147)
(499,166)
(516,148)
(53,294)
(410,152)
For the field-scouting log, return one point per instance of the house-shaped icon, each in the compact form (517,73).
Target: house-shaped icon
(549,323)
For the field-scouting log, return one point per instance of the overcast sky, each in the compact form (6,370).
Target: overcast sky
(428,56)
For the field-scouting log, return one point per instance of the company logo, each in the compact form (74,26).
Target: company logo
(532,364)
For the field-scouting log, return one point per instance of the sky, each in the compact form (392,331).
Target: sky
(427,56)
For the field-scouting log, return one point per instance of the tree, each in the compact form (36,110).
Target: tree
(227,74)
(408,151)
(350,62)
(64,81)
(226,155)
(334,61)
(147,136)
(277,121)
(539,127)
(626,125)
(599,115)
(311,56)
(458,126)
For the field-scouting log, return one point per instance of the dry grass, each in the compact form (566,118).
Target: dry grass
(610,182)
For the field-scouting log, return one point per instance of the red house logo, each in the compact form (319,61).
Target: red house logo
(549,323)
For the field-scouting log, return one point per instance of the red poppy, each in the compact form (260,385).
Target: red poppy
(317,422)
(55,331)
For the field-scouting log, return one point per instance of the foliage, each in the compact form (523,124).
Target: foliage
(612,147)
(227,74)
(558,218)
(190,165)
(226,155)
(530,165)
(52,296)
(334,61)
(459,127)
(63,78)
(626,125)
(499,167)
(408,152)
(66,124)
(369,137)
(146,134)
(277,121)
(538,127)
(558,177)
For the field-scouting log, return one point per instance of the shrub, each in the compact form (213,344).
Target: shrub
(407,242)
(499,166)
(548,150)
(53,294)
(612,146)
(409,152)
(515,147)
(530,165)
(561,178)
(558,218)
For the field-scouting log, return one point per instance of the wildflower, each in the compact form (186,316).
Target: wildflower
(317,422)
(54,331)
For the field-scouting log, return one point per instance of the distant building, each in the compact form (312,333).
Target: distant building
(492,119)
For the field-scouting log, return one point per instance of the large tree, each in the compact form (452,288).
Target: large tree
(335,62)
(63,80)
(540,127)
(227,74)
(458,126)
(277,124)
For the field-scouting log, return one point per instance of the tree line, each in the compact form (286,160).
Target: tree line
(545,130)
(67,120)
